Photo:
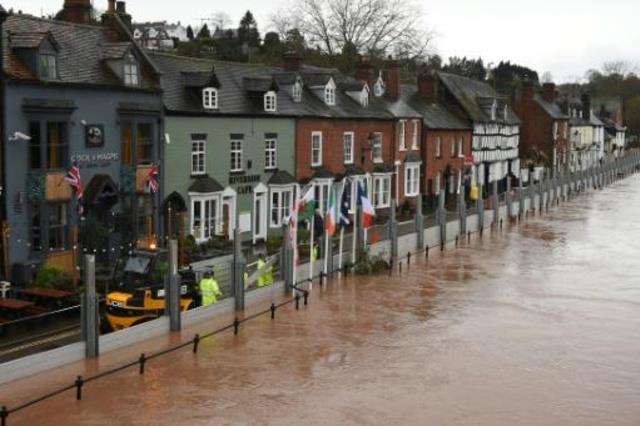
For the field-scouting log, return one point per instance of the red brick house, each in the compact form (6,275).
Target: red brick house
(445,141)
(347,129)
(544,126)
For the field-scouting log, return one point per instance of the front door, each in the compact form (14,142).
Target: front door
(260,217)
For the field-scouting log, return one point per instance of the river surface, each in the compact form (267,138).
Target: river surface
(536,325)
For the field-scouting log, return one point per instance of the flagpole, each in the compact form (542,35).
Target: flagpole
(311,245)
(340,249)
(295,237)
(326,244)
(354,204)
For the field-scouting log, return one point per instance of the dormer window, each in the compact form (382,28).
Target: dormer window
(270,102)
(210,98)
(330,95)
(378,87)
(297,92)
(364,98)
(131,71)
(48,66)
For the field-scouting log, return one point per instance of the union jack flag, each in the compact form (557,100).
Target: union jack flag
(73,178)
(152,179)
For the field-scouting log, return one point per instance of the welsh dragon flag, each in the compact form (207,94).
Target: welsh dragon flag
(306,207)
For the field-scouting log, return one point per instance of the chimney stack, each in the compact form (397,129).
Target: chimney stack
(292,61)
(428,86)
(527,90)
(76,11)
(364,71)
(112,7)
(549,92)
(586,106)
(392,78)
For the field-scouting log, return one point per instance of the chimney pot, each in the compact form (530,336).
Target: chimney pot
(292,61)
(76,11)
(549,92)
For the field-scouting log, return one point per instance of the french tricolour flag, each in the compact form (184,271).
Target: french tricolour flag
(368,213)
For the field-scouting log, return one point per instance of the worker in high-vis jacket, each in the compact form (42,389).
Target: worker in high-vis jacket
(209,289)
(266,278)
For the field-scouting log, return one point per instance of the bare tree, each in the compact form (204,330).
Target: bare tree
(377,27)
(547,77)
(221,20)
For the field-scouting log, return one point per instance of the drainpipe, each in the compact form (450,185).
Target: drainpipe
(3,188)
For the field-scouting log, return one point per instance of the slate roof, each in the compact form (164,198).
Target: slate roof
(81,49)
(115,50)
(476,98)
(434,116)
(240,83)
(205,185)
(322,173)
(552,109)
(412,157)
(281,177)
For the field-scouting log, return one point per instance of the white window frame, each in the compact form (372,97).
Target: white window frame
(414,134)
(437,185)
(411,180)
(198,156)
(402,127)
(315,162)
(453,147)
(377,136)
(270,101)
(460,147)
(283,210)
(378,87)
(210,98)
(364,98)
(236,155)
(214,219)
(48,66)
(270,153)
(438,146)
(381,197)
(348,159)
(131,71)
(330,95)
(321,188)
(297,92)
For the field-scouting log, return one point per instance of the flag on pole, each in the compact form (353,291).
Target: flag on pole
(73,178)
(152,179)
(344,206)
(330,216)
(306,207)
(368,213)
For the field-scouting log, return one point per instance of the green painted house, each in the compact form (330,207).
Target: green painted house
(229,154)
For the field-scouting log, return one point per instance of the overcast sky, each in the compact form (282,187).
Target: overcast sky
(565,37)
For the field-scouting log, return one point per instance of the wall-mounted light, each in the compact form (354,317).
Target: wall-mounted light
(19,136)
(167,138)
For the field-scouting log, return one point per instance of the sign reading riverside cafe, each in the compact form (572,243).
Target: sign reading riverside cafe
(245,181)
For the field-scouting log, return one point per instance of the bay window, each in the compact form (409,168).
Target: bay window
(411,180)
(205,216)
(381,191)
(321,193)
(280,205)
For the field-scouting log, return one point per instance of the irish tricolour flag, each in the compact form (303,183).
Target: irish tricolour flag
(368,213)
(330,216)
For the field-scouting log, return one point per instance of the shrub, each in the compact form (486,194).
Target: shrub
(367,264)
(52,277)
(273,243)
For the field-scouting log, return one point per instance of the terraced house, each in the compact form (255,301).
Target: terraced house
(230,148)
(79,92)
(496,128)
(446,141)
(357,130)
(545,126)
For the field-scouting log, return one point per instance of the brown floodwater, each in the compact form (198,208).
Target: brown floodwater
(536,325)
